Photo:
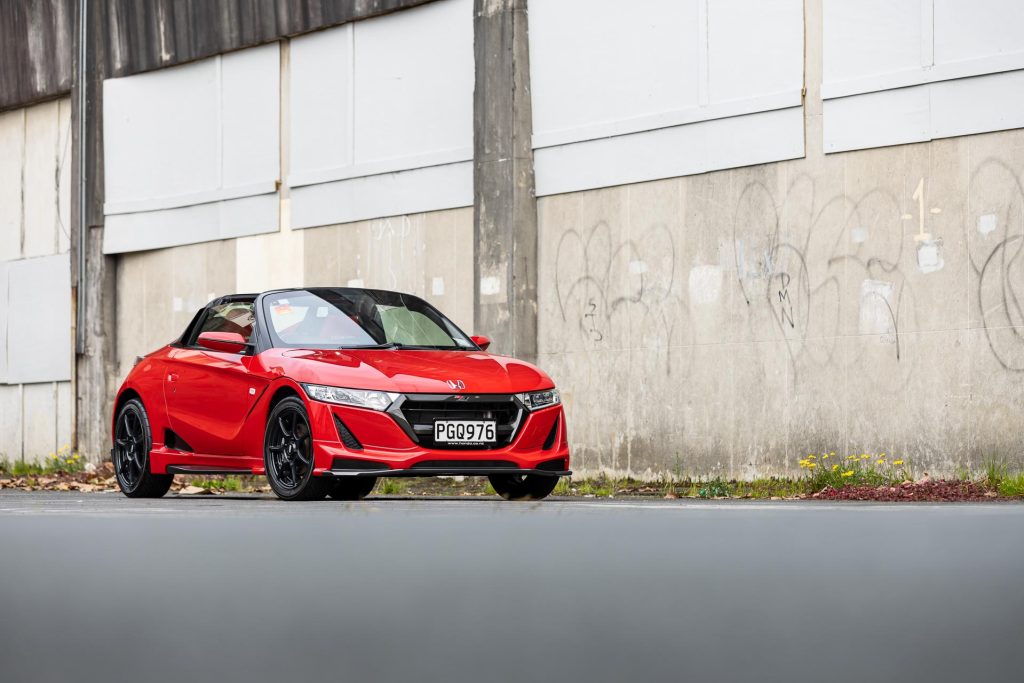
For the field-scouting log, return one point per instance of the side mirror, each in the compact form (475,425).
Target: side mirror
(227,342)
(481,341)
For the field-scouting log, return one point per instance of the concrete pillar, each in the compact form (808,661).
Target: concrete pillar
(93,273)
(505,206)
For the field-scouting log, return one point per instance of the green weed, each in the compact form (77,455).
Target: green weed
(392,486)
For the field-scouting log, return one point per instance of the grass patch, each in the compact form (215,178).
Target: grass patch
(999,478)
(64,461)
(392,486)
(229,483)
(1011,485)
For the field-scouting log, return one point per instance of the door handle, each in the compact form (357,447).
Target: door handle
(172,377)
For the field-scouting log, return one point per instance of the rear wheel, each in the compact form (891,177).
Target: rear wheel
(132,443)
(523,486)
(288,453)
(351,488)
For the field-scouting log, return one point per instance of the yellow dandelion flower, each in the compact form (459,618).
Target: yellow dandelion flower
(835,467)
(811,465)
(824,457)
(847,473)
(880,461)
(897,462)
(851,457)
(811,457)
(864,456)
(832,453)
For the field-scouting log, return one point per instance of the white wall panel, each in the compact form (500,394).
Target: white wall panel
(754,48)
(202,134)
(432,188)
(670,152)
(870,37)
(879,119)
(414,82)
(971,105)
(596,61)
(250,111)
(381,116)
(191,224)
(973,29)
(39,320)
(914,70)
(321,100)
(639,91)
(161,133)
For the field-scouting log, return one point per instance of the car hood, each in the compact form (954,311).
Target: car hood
(409,371)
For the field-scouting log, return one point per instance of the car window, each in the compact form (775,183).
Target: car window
(235,316)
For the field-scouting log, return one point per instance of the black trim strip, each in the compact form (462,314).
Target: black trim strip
(193,469)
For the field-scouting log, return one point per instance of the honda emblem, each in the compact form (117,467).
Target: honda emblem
(457,384)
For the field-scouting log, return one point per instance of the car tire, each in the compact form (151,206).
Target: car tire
(351,488)
(523,486)
(288,453)
(132,442)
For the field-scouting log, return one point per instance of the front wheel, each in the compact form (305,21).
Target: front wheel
(132,442)
(523,486)
(288,453)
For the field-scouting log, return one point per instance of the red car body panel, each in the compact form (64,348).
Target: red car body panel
(217,402)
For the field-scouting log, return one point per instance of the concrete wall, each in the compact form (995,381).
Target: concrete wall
(35,416)
(732,322)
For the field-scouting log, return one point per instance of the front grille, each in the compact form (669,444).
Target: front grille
(421,411)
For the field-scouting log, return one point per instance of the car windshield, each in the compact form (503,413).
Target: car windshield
(345,318)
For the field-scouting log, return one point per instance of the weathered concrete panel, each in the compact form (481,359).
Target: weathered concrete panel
(39,184)
(40,421)
(733,322)
(12,161)
(10,422)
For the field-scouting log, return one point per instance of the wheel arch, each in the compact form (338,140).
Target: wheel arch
(126,394)
(282,392)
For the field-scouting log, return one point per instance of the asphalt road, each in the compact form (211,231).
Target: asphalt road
(97,587)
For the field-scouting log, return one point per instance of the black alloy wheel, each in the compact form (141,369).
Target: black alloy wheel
(523,486)
(132,443)
(351,488)
(288,453)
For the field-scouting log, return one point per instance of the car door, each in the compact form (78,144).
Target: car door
(210,393)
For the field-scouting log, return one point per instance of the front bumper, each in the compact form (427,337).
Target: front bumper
(382,447)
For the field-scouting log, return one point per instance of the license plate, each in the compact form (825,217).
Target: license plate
(465,431)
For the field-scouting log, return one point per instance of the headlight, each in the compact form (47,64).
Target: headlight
(540,399)
(360,398)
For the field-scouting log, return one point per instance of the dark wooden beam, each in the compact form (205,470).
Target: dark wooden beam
(35,50)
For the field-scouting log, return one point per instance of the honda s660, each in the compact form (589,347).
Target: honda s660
(325,390)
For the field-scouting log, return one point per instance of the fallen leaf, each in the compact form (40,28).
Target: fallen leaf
(195,490)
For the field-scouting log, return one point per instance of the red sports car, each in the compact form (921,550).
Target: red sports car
(326,389)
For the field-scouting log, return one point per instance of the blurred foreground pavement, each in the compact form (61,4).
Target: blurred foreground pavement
(98,587)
